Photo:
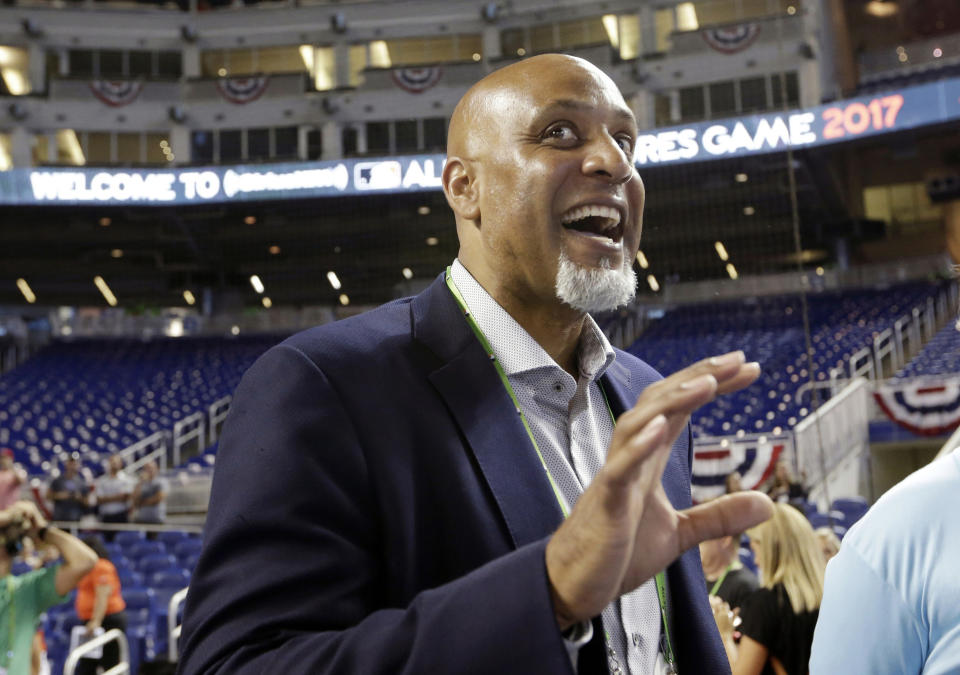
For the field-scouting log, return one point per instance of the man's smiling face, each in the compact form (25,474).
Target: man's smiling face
(556,181)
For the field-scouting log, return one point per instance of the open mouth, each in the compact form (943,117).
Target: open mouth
(594,220)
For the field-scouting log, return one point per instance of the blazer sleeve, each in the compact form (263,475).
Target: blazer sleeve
(291,576)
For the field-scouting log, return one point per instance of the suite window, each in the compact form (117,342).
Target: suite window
(201,146)
(665,22)
(435,134)
(314,144)
(169,65)
(405,134)
(231,145)
(692,104)
(378,138)
(129,148)
(512,41)
(753,94)
(81,62)
(258,144)
(723,99)
(349,139)
(285,143)
(140,64)
(97,147)
(111,64)
(793,90)
(662,110)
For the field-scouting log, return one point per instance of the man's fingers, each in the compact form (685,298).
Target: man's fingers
(728,515)
(621,468)
(747,375)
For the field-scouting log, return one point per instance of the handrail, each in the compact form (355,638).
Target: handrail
(216,414)
(836,426)
(173,630)
(883,345)
(122,668)
(74,527)
(866,369)
(181,437)
(135,449)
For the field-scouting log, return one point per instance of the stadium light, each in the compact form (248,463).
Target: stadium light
(380,54)
(654,284)
(642,260)
(741,177)
(67,139)
(432,241)
(344,299)
(613,30)
(188,297)
(334,280)
(407,273)
(721,251)
(13,70)
(306,53)
(28,294)
(256,283)
(105,290)
(687,17)
(732,271)
(267,302)
(6,162)
(880,9)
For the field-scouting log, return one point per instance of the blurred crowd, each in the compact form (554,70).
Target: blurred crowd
(114,497)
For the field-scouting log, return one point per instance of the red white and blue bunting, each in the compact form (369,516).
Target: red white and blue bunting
(116,93)
(925,407)
(416,80)
(731,39)
(716,459)
(242,90)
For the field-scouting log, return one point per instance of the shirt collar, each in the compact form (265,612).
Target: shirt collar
(514,347)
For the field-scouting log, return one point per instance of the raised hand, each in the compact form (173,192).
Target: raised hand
(623,529)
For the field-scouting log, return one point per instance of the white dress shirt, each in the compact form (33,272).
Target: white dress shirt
(572,425)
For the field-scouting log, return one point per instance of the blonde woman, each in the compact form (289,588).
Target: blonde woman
(778,618)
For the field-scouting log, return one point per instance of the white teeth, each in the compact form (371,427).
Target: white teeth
(580,212)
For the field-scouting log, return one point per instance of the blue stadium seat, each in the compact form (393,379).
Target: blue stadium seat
(156,562)
(145,548)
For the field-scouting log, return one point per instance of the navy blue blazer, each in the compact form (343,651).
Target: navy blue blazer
(377,508)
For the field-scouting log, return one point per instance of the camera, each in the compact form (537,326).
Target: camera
(11,537)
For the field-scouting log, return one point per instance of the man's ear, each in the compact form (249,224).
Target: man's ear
(460,189)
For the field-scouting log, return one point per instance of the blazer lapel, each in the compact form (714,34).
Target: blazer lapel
(469,385)
(622,390)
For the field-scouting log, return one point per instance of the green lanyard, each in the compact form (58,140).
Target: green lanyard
(660,577)
(719,582)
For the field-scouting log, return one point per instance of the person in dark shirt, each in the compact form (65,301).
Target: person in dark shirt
(725,575)
(779,618)
(68,492)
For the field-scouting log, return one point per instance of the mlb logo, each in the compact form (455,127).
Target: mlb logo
(384,175)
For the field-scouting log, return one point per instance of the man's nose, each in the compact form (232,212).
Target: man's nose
(606,159)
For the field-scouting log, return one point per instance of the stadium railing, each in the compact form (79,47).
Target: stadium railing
(173,626)
(115,634)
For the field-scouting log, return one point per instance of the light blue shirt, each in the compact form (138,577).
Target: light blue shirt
(891,601)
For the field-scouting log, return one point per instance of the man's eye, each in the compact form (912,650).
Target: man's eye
(626,144)
(561,133)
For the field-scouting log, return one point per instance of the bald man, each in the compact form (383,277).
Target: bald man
(473,480)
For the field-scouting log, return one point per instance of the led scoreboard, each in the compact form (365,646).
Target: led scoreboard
(843,121)
(846,120)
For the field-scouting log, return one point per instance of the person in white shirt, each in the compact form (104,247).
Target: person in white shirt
(113,490)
